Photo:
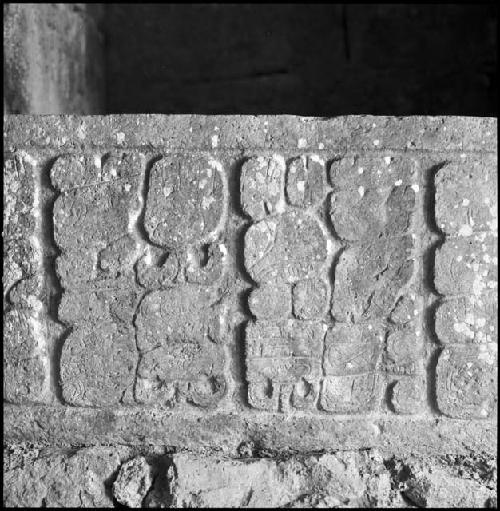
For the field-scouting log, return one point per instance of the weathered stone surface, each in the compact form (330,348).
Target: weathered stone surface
(322,481)
(133,482)
(365,479)
(261,185)
(404,352)
(185,200)
(19,197)
(467,195)
(272,300)
(25,357)
(467,320)
(467,265)
(98,364)
(371,213)
(291,322)
(361,393)
(305,180)
(369,276)
(467,383)
(373,169)
(283,359)
(309,299)
(408,395)
(54,478)
(178,333)
(289,248)
(353,349)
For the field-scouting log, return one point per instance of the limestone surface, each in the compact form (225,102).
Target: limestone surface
(282,287)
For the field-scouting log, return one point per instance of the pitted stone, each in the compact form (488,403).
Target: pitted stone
(467,196)
(260,185)
(310,299)
(19,197)
(353,349)
(467,383)
(467,265)
(283,357)
(467,320)
(187,369)
(289,247)
(205,264)
(362,214)
(185,200)
(408,395)
(182,313)
(369,277)
(405,352)
(157,269)
(372,170)
(25,357)
(271,300)
(305,180)
(98,364)
(20,263)
(90,306)
(360,393)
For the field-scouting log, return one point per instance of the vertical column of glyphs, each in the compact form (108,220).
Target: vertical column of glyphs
(466,275)
(26,359)
(287,255)
(181,321)
(376,347)
(95,269)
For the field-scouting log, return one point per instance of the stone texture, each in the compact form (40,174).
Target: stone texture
(133,482)
(366,479)
(35,477)
(334,314)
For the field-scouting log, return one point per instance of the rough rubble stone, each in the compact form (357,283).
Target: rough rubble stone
(41,478)
(133,482)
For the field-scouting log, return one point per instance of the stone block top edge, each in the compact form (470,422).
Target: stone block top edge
(247,132)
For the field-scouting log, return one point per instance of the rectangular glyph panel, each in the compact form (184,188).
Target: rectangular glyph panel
(221,274)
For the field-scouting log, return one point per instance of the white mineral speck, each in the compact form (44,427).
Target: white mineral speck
(215,141)
(465,230)
(120,137)
(387,159)
(415,188)
(302,143)
(361,170)
(399,182)
(321,146)
(376,142)
(465,202)
(361,191)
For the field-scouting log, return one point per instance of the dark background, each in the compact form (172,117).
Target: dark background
(314,59)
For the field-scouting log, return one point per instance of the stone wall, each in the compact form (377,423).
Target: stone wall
(53,58)
(250,311)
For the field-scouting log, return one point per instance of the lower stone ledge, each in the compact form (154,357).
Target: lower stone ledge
(120,476)
(224,432)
